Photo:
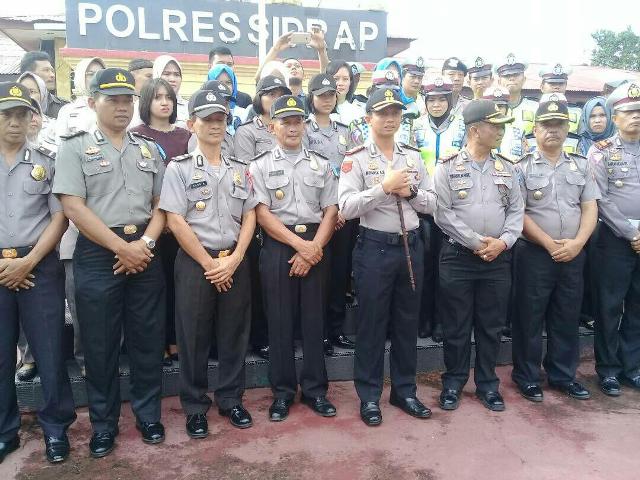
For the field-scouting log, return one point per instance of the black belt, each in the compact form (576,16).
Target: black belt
(129,229)
(220,253)
(304,227)
(457,245)
(16,252)
(388,238)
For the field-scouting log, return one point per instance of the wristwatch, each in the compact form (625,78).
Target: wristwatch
(414,192)
(151,243)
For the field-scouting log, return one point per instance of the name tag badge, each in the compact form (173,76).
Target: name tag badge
(275,173)
(198,184)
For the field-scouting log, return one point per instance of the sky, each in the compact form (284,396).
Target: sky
(539,31)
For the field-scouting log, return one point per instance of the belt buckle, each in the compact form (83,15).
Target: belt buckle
(224,253)
(130,229)
(300,229)
(9,253)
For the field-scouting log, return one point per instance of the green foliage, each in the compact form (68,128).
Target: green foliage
(616,50)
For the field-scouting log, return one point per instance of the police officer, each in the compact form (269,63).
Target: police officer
(560,195)
(498,95)
(616,165)
(572,139)
(297,192)
(413,71)
(480,212)
(221,90)
(455,70)
(251,139)
(377,180)
(328,136)
(511,75)
(209,204)
(554,79)
(31,278)
(480,75)
(109,182)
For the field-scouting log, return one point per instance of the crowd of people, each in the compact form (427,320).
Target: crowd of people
(180,230)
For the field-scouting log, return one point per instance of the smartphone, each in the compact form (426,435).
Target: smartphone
(300,38)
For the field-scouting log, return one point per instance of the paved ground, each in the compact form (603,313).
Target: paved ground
(558,439)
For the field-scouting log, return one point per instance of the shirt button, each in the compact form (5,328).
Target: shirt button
(11,214)
(10,194)
(11,234)
(484,187)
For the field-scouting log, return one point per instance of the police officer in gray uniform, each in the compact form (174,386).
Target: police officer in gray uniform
(109,182)
(325,135)
(297,192)
(560,195)
(480,212)
(31,277)
(227,143)
(253,138)
(379,179)
(616,165)
(209,203)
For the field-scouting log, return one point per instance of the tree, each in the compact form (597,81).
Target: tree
(616,50)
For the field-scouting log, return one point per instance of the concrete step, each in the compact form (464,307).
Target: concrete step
(339,367)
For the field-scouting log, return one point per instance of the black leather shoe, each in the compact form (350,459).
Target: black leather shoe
(610,386)
(410,405)
(370,413)
(437,335)
(631,382)
(57,448)
(7,447)
(506,331)
(328,347)
(320,405)
(152,432)
(197,426)
(343,341)
(239,417)
(449,399)
(27,372)
(262,351)
(279,409)
(101,444)
(492,400)
(531,392)
(573,389)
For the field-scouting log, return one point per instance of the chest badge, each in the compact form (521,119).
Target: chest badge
(237,178)
(197,176)
(38,173)
(92,150)
(145,151)
(462,194)
(498,166)
(105,163)
(279,194)
(619,183)
(372,165)
(342,140)
(538,195)
(200,206)
(313,164)
(615,156)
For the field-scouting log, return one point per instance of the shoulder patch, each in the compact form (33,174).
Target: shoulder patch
(45,151)
(73,135)
(602,144)
(448,158)
(235,159)
(141,135)
(506,158)
(319,154)
(180,158)
(409,147)
(355,150)
(260,155)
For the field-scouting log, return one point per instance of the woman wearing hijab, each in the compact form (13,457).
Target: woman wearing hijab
(170,70)
(595,124)
(224,74)
(38,90)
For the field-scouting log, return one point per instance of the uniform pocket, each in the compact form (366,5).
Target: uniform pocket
(199,202)
(575,178)
(279,189)
(33,187)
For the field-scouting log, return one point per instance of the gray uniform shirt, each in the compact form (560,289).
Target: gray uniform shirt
(616,166)
(296,187)
(118,186)
(252,139)
(331,141)
(27,201)
(552,194)
(361,195)
(476,201)
(211,202)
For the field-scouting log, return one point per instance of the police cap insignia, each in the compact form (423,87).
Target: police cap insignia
(326,82)
(634,91)
(389,75)
(557,69)
(120,77)
(511,59)
(15,92)
(291,102)
(553,107)
(420,62)
(479,62)
(210,97)
(438,82)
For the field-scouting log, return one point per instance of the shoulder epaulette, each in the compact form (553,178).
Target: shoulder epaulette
(448,158)
(526,155)
(409,147)
(45,151)
(355,150)
(142,135)
(236,159)
(502,156)
(73,134)
(247,122)
(321,155)
(602,144)
(180,158)
(574,154)
(342,124)
(260,155)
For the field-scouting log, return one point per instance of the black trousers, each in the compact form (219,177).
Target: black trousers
(386,302)
(201,310)
(107,304)
(40,313)
(341,248)
(617,327)
(474,296)
(549,293)
(168,248)
(259,335)
(287,299)
(432,237)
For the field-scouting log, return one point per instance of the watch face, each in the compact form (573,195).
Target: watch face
(151,244)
